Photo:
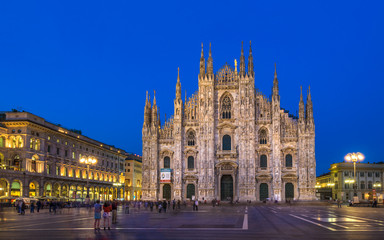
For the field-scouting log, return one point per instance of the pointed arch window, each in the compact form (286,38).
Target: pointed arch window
(288,161)
(191,138)
(226,108)
(226,142)
(263,137)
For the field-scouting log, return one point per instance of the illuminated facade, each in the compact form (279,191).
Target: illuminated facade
(229,141)
(133,177)
(338,183)
(39,158)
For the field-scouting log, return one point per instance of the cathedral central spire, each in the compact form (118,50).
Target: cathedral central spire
(275,89)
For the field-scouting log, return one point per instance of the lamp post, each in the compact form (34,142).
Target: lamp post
(88,161)
(354,157)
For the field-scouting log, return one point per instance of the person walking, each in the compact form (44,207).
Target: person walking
(197,205)
(338,203)
(114,212)
(165,206)
(38,205)
(23,207)
(107,209)
(98,207)
(151,206)
(32,207)
(173,204)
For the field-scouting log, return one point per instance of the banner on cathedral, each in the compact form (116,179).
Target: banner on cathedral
(165,175)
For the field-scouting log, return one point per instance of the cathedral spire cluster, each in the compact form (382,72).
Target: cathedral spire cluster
(201,137)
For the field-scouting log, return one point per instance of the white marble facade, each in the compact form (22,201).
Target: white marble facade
(229,141)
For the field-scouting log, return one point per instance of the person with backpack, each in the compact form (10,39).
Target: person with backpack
(97,215)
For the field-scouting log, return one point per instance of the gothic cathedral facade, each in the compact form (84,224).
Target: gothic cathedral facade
(229,142)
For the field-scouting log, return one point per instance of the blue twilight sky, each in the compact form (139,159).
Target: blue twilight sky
(87,64)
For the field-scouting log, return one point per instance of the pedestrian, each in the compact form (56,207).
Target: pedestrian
(54,206)
(193,206)
(96,224)
(374,203)
(160,206)
(23,207)
(20,203)
(106,215)
(173,204)
(114,212)
(197,205)
(338,203)
(38,205)
(151,206)
(165,206)
(32,207)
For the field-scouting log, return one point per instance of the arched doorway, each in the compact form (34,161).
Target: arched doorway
(190,190)
(72,192)
(4,188)
(48,189)
(289,191)
(64,191)
(264,192)
(226,187)
(56,190)
(16,188)
(33,189)
(167,191)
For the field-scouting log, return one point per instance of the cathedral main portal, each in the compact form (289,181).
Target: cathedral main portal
(226,187)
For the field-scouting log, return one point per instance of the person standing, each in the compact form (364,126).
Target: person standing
(107,209)
(173,204)
(197,205)
(114,212)
(97,215)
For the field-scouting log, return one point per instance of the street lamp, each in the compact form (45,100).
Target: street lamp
(88,161)
(354,157)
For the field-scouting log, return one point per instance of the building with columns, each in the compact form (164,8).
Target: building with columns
(229,141)
(133,177)
(41,159)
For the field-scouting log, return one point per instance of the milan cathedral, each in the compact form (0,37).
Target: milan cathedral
(228,141)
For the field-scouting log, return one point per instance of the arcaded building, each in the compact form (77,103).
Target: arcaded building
(229,141)
(42,159)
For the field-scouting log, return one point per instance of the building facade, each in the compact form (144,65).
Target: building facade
(339,181)
(41,159)
(133,177)
(229,141)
